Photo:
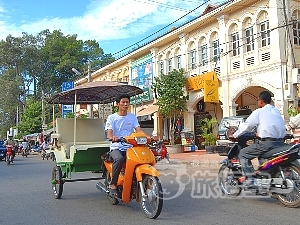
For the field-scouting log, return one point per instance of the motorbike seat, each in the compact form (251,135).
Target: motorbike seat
(275,151)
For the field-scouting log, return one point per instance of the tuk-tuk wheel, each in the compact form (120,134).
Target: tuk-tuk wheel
(57,182)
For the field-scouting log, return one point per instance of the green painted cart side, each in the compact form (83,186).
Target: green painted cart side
(83,155)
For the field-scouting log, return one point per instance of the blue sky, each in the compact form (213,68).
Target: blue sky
(115,24)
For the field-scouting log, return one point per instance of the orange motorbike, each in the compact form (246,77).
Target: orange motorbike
(138,178)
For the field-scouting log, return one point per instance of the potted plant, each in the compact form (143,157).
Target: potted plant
(209,137)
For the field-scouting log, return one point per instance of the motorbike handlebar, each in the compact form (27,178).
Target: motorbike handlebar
(118,140)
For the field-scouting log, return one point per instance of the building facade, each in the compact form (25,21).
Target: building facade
(251,46)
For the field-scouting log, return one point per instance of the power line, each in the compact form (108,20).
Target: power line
(160,29)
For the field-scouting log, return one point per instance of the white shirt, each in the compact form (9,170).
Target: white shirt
(294,125)
(121,126)
(268,122)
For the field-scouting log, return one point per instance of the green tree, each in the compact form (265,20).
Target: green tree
(171,96)
(9,100)
(42,62)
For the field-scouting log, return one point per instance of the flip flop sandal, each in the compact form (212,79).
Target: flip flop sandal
(113,192)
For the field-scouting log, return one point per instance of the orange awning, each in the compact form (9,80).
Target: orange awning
(148,111)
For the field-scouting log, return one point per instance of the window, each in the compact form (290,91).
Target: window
(178,61)
(296,26)
(264,33)
(193,58)
(169,65)
(249,38)
(235,44)
(204,57)
(161,66)
(216,50)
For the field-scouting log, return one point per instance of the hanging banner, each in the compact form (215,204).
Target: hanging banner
(211,93)
(197,82)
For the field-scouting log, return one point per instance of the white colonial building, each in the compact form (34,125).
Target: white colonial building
(251,45)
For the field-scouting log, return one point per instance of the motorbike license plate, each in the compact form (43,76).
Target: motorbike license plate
(141,141)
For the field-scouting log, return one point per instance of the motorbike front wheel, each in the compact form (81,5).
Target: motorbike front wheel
(152,203)
(291,200)
(57,182)
(227,182)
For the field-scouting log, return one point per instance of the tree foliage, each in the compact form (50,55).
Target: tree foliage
(171,96)
(30,64)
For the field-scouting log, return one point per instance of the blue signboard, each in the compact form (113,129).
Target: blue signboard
(66,108)
(142,72)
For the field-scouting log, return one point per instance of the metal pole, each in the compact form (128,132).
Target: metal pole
(43,112)
(75,119)
(90,80)
(53,118)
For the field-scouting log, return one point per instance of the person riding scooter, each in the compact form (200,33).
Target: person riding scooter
(11,141)
(120,124)
(294,125)
(270,134)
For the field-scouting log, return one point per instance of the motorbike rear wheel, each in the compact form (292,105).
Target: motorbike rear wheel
(8,159)
(291,200)
(228,183)
(57,182)
(111,199)
(153,202)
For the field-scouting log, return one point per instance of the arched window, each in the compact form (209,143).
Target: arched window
(178,64)
(249,36)
(215,44)
(235,40)
(264,30)
(161,65)
(193,56)
(203,52)
(296,26)
(169,61)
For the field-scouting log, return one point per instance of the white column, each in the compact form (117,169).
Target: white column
(224,59)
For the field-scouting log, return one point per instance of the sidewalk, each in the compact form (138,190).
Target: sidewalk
(200,157)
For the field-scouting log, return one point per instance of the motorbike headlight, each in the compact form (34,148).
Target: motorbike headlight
(141,140)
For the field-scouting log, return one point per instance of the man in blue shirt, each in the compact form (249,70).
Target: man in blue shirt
(270,128)
(120,124)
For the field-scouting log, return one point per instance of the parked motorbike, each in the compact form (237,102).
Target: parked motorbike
(159,150)
(9,154)
(138,178)
(278,174)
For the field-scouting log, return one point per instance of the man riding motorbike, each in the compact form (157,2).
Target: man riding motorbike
(11,141)
(294,125)
(271,131)
(120,124)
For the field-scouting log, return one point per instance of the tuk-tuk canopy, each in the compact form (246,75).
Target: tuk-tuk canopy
(94,93)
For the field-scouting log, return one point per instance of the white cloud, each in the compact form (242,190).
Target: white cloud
(107,20)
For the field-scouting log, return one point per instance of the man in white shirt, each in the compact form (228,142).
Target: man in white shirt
(294,125)
(120,124)
(270,128)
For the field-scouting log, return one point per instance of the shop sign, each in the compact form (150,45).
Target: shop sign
(142,72)
(197,82)
(211,93)
(66,108)
(146,96)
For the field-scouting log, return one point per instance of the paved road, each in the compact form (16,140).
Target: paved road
(191,194)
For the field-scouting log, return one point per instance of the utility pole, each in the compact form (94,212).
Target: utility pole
(90,80)
(43,111)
